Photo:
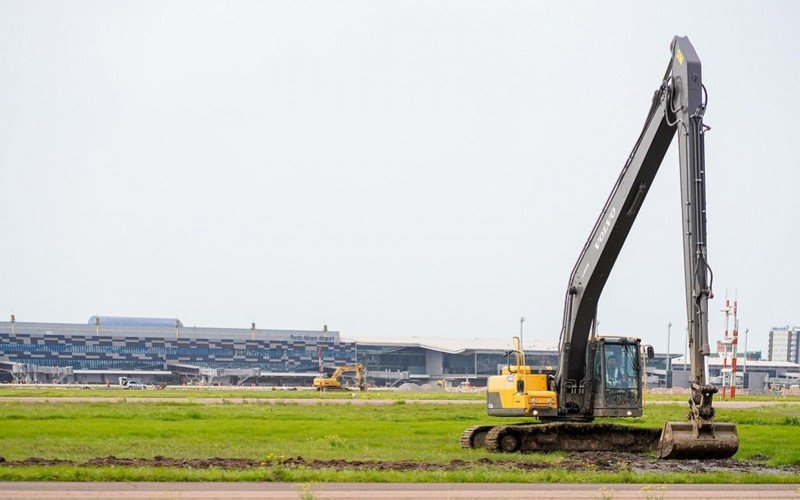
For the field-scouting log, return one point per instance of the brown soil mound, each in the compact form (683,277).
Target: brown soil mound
(617,462)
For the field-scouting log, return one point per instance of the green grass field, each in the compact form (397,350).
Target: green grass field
(263,393)
(229,393)
(424,433)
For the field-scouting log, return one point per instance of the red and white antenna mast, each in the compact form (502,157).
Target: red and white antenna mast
(735,342)
(729,348)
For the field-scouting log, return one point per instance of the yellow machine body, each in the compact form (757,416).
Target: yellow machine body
(519,392)
(327,383)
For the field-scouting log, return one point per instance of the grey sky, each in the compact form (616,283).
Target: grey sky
(390,168)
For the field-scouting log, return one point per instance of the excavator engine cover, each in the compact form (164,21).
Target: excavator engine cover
(685,440)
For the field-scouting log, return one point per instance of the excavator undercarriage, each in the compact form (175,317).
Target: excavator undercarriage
(676,440)
(531,437)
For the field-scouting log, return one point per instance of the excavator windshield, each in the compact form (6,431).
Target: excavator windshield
(621,362)
(617,373)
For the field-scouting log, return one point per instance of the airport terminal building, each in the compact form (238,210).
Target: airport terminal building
(163,350)
(159,350)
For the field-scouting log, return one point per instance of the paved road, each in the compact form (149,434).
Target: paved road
(393,491)
(338,401)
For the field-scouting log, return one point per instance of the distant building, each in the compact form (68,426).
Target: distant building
(157,349)
(784,344)
(426,359)
(165,350)
(132,322)
(749,374)
(751,355)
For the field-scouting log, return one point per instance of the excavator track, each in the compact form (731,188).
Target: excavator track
(474,437)
(569,436)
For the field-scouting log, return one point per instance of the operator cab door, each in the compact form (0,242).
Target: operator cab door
(617,378)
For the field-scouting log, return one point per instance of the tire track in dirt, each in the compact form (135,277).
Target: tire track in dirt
(583,461)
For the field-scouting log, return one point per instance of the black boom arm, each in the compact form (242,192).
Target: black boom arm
(677,105)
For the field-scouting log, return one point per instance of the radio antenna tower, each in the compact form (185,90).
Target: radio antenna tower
(730,344)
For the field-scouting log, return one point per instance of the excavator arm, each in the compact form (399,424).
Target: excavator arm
(609,233)
(605,242)
(678,105)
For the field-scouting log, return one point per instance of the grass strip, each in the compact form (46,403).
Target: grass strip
(265,393)
(301,475)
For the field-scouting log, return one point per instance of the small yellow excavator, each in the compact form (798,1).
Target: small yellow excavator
(333,383)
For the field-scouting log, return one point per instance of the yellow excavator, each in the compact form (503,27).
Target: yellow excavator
(334,383)
(602,376)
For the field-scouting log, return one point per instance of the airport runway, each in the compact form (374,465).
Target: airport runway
(393,491)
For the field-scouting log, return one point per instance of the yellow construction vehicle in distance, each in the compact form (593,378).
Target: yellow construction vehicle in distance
(333,383)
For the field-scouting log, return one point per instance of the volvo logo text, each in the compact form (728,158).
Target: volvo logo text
(606,227)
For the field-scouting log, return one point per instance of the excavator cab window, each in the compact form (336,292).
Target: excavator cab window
(620,373)
(621,364)
(514,360)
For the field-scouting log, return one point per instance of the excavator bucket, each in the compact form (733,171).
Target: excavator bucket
(686,440)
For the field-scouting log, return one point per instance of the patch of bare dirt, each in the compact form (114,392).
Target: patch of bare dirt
(617,462)
(575,461)
(188,463)
(36,462)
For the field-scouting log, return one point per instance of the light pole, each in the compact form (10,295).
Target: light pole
(669,358)
(744,365)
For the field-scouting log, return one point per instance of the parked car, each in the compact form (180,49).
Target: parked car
(126,383)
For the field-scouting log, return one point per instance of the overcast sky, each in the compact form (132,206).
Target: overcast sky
(392,169)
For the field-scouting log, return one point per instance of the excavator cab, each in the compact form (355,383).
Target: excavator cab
(617,376)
